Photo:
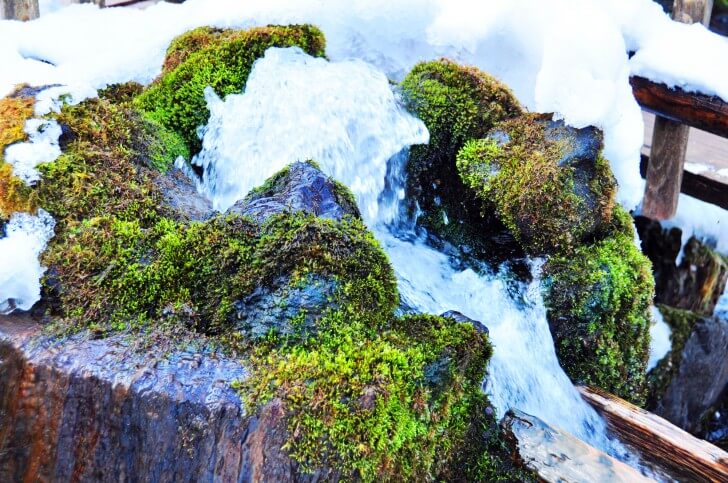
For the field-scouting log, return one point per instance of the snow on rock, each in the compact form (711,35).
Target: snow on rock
(563,56)
(660,342)
(703,220)
(26,238)
(41,147)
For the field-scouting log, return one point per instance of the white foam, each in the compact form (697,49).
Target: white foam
(660,339)
(26,238)
(41,147)
(296,107)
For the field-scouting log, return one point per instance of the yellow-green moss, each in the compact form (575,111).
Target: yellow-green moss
(456,103)
(518,173)
(219,59)
(598,301)
(15,195)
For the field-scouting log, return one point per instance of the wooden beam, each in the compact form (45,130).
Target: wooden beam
(660,441)
(669,141)
(709,113)
(698,186)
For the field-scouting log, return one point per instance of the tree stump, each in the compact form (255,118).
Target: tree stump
(19,9)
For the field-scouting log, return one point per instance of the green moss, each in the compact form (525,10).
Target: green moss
(681,324)
(456,103)
(519,173)
(221,60)
(598,301)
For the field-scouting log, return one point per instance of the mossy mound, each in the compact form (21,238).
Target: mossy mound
(221,59)
(457,104)
(598,301)
(15,195)
(547,182)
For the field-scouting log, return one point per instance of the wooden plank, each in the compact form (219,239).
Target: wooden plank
(658,440)
(699,187)
(709,113)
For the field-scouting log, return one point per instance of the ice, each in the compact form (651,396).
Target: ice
(41,147)
(26,238)
(660,339)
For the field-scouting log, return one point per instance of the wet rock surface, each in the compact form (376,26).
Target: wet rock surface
(301,187)
(559,457)
(697,282)
(96,410)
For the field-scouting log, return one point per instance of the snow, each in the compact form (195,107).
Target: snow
(41,147)
(26,239)
(703,220)
(562,56)
(660,342)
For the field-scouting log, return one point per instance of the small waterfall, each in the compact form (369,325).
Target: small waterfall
(346,117)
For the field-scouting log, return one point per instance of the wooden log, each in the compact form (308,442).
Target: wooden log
(659,441)
(19,9)
(699,187)
(669,141)
(557,457)
(709,113)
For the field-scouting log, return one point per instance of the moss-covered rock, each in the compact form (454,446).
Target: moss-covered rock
(221,59)
(15,195)
(598,301)
(681,323)
(456,103)
(546,181)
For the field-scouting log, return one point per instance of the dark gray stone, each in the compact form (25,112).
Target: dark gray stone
(300,188)
(460,318)
(289,310)
(181,196)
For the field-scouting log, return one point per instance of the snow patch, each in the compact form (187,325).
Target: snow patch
(660,339)
(26,238)
(41,147)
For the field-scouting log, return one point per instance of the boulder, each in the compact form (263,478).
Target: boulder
(181,197)
(546,181)
(301,188)
(697,281)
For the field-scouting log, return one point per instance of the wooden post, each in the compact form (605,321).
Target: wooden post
(670,138)
(19,9)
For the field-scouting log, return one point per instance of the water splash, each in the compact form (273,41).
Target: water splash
(345,116)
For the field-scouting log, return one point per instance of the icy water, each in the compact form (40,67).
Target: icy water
(346,116)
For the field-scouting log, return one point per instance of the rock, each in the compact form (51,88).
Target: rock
(458,317)
(181,197)
(559,457)
(691,382)
(301,187)
(288,310)
(547,182)
(697,282)
(97,410)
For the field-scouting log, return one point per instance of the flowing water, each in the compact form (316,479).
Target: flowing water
(346,116)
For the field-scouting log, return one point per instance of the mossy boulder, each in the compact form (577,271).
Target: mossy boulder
(598,300)
(547,182)
(221,59)
(456,103)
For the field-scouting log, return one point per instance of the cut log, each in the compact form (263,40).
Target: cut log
(659,441)
(556,456)
(669,141)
